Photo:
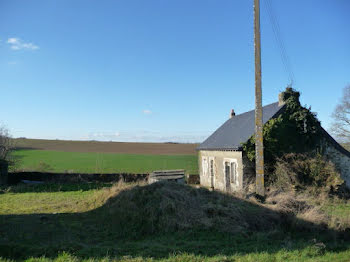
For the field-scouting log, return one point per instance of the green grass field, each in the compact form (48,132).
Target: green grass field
(50,202)
(128,222)
(80,223)
(78,162)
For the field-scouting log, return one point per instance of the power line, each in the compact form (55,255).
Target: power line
(277,33)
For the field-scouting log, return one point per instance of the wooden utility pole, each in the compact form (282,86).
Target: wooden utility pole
(259,147)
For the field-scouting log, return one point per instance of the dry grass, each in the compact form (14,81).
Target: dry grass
(315,215)
(312,172)
(169,207)
(321,210)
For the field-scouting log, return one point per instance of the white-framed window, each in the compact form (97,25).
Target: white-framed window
(233,174)
(205,165)
(231,171)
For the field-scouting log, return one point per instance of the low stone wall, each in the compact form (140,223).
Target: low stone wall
(15,178)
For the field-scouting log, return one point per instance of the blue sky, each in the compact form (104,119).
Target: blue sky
(160,70)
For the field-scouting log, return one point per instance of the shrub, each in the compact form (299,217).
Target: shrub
(44,167)
(305,170)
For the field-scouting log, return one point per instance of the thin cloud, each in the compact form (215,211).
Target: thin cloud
(18,44)
(147,136)
(147,112)
(103,136)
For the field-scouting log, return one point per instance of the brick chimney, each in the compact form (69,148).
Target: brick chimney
(281,101)
(232,114)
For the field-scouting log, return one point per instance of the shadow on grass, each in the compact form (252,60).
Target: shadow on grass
(162,219)
(53,187)
(34,177)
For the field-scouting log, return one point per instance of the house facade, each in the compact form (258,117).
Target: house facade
(222,170)
(222,162)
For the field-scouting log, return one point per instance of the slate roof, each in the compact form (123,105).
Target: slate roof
(238,129)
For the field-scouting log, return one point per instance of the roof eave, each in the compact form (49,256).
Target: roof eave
(220,149)
(338,146)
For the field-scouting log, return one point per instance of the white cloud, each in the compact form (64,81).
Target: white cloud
(12,40)
(17,44)
(147,112)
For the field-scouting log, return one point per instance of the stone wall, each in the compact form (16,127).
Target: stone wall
(17,177)
(219,181)
(340,158)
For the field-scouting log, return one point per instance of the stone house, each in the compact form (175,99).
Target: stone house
(223,165)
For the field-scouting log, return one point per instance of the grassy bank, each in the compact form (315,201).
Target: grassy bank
(160,222)
(78,162)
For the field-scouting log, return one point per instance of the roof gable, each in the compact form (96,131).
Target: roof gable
(237,130)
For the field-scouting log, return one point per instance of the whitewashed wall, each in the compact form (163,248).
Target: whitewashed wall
(219,168)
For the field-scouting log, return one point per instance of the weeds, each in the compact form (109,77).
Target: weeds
(306,171)
(165,222)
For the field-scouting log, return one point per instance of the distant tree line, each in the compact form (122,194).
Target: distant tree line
(5,144)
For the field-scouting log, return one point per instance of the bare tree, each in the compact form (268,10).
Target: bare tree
(5,143)
(341,117)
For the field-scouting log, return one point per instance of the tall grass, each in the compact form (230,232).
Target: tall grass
(310,254)
(162,222)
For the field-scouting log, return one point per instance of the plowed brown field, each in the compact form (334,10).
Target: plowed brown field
(107,147)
